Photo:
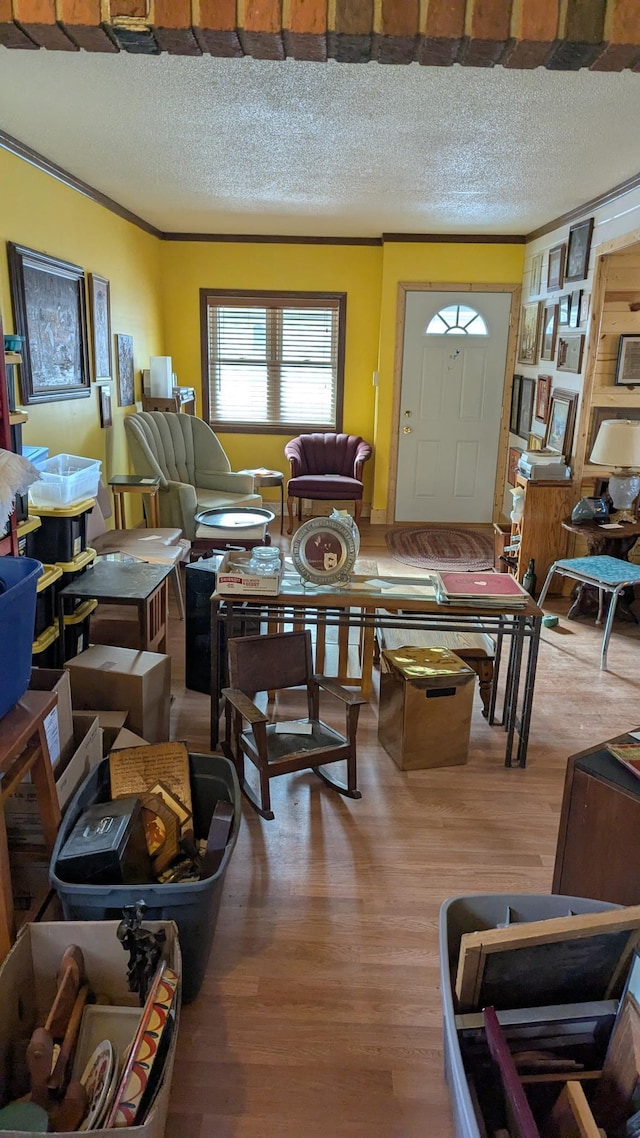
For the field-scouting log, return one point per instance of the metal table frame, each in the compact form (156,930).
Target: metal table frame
(353,609)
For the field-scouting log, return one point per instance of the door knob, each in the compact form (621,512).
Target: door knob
(406,430)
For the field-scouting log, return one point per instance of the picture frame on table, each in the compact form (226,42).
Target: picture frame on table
(561,423)
(529,333)
(543,397)
(578,250)
(100,311)
(525,412)
(126,390)
(515,403)
(549,331)
(323,551)
(535,442)
(49,308)
(512,465)
(627,373)
(570,350)
(574,308)
(564,305)
(555,267)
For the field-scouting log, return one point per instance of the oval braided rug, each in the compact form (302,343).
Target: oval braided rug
(439,547)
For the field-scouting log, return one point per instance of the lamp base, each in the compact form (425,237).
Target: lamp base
(623,516)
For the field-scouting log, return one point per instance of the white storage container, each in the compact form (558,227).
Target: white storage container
(65,479)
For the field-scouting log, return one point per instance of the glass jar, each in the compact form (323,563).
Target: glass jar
(264,559)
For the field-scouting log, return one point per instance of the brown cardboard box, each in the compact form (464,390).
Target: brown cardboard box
(28,984)
(57,725)
(424,713)
(113,679)
(22,815)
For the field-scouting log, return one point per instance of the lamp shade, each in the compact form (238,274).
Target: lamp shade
(617,444)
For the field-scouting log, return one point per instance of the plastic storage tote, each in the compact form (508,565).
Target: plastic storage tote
(18,583)
(65,479)
(468,914)
(62,534)
(193,905)
(36,455)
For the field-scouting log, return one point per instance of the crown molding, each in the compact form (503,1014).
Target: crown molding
(578,212)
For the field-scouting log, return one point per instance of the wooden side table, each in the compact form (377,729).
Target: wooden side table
(23,748)
(134,484)
(263,477)
(142,586)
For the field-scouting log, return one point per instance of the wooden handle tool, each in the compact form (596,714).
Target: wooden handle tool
(58,1076)
(70,977)
(39,1061)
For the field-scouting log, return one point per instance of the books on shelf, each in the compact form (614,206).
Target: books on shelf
(491,590)
(628,754)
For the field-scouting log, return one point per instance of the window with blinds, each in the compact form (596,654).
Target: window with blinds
(273,361)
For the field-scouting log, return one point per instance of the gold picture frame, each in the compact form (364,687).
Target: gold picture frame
(529,333)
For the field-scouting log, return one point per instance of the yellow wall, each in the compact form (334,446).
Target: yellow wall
(189,266)
(421,262)
(41,213)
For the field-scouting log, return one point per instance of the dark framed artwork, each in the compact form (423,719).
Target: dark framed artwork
(598,416)
(124,350)
(564,304)
(512,465)
(529,333)
(543,395)
(574,309)
(100,308)
(525,413)
(570,353)
(585,304)
(515,404)
(549,331)
(555,267)
(562,418)
(104,396)
(578,250)
(49,310)
(628,363)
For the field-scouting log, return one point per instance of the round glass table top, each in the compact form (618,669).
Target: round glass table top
(240,517)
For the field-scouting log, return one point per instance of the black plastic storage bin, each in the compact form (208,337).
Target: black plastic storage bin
(71,572)
(193,905)
(76,629)
(63,533)
(46,600)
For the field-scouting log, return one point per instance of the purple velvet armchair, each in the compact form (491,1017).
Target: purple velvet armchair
(326,467)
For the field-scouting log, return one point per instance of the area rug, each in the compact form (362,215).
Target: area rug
(436,547)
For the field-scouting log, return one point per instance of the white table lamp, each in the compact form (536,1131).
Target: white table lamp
(618,446)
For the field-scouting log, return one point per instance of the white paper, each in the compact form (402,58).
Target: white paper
(52,732)
(147,481)
(611,525)
(293,727)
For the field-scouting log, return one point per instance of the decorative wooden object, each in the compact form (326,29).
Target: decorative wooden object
(540,529)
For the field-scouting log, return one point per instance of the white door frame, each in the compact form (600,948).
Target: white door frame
(448,286)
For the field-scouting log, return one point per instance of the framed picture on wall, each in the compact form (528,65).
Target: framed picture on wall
(529,333)
(562,417)
(570,353)
(574,309)
(555,268)
(598,416)
(515,403)
(100,309)
(535,276)
(525,413)
(628,362)
(104,397)
(549,331)
(564,304)
(578,250)
(124,347)
(543,395)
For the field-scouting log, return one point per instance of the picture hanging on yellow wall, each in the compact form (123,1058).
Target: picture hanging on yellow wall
(49,310)
(100,308)
(104,396)
(126,396)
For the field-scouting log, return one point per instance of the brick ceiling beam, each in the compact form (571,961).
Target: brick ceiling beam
(561,35)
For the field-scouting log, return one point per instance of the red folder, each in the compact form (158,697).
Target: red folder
(490,585)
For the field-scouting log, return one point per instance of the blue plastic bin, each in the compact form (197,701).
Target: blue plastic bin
(193,905)
(18,580)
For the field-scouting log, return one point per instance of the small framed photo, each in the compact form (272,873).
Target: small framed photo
(549,331)
(535,275)
(555,268)
(525,413)
(564,305)
(512,465)
(574,309)
(562,417)
(535,442)
(578,250)
(585,304)
(515,403)
(529,333)
(570,353)
(628,362)
(543,395)
(104,395)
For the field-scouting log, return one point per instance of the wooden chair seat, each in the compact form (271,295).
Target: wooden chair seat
(477,649)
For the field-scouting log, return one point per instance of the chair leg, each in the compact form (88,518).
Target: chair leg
(177,588)
(545,587)
(290,512)
(608,626)
(348,791)
(358,510)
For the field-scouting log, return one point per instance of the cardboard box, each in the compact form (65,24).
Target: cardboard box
(22,815)
(126,738)
(117,679)
(28,985)
(232,576)
(58,725)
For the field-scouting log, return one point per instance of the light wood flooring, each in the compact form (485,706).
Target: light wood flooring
(320,1013)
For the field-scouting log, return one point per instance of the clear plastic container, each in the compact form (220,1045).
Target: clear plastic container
(64,479)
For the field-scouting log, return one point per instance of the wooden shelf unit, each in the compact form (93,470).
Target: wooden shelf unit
(541,535)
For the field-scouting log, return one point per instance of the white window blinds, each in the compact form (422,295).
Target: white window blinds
(274,362)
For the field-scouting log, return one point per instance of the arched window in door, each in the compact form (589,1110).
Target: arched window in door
(457,320)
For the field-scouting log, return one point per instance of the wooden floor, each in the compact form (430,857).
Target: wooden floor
(320,1013)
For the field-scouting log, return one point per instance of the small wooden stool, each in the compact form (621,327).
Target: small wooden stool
(23,747)
(475,648)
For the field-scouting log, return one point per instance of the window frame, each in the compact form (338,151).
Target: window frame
(265,295)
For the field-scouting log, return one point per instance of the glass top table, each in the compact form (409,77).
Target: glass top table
(370,601)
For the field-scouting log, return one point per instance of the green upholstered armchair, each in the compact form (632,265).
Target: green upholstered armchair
(195,473)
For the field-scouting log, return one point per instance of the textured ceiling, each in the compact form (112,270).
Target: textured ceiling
(210,145)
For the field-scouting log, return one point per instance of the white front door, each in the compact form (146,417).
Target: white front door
(451,400)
